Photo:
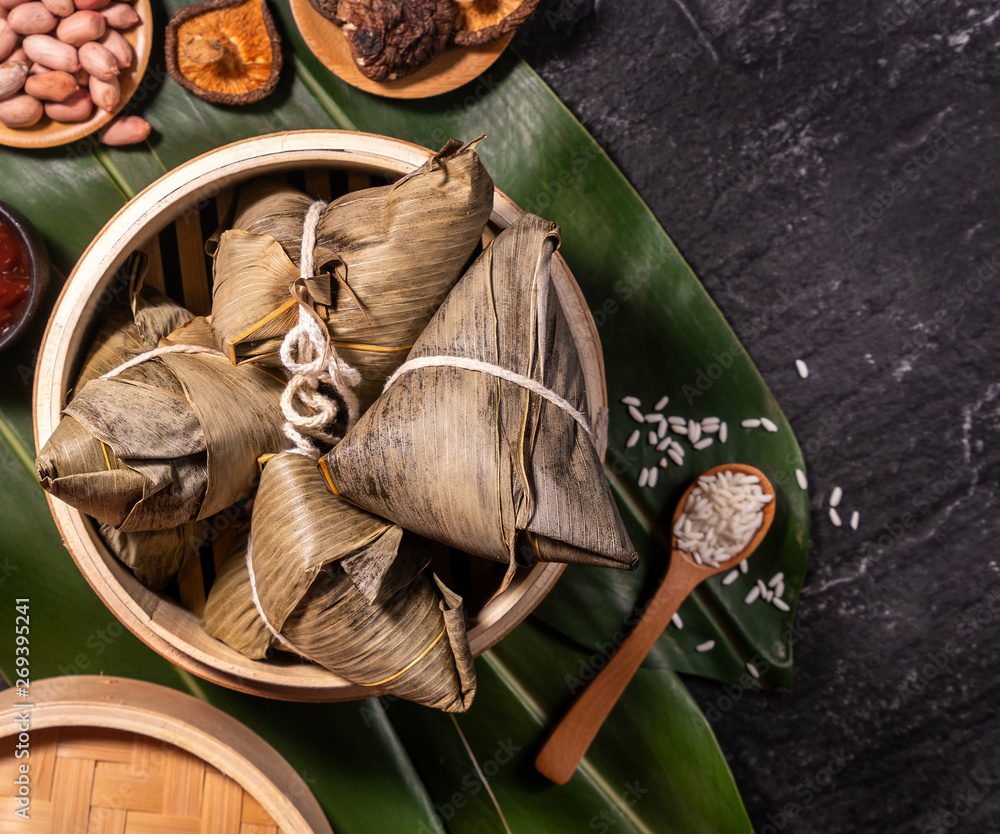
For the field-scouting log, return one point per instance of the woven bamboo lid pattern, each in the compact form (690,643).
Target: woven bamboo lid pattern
(116,756)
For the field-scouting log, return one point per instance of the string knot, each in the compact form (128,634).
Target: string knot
(320,380)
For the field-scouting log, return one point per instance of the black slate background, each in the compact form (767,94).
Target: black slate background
(832,174)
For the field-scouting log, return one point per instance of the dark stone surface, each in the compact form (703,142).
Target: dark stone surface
(830,171)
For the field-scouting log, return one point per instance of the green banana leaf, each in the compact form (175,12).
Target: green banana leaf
(655,723)
(378,766)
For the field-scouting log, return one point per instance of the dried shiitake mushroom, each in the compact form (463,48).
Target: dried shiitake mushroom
(224,51)
(481,21)
(390,39)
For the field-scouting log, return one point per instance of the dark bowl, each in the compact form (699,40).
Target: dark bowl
(39,280)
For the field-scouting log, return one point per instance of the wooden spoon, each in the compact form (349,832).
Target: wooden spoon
(572,736)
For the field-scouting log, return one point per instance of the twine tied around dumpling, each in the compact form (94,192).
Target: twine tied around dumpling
(315,368)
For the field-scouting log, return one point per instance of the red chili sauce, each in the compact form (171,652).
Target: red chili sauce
(15,274)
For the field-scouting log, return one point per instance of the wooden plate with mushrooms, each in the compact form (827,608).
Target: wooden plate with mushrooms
(473,39)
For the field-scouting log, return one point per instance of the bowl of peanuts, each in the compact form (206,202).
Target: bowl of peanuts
(68,67)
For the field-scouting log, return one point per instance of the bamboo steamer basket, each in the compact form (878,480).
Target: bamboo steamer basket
(110,755)
(169,220)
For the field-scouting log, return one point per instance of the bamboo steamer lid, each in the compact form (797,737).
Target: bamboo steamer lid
(111,754)
(172,214)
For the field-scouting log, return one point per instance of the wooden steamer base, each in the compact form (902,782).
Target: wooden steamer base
(116,756)
(170,220)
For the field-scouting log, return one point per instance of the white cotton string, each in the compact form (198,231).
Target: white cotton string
(495,370)
(308,252)
(306,354)
(160,351)
(256,601)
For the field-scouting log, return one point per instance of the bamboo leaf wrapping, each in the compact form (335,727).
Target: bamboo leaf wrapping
(411,641)
(385,257)
(474,461)
(171,440)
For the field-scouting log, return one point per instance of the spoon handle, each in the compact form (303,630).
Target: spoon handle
(568,743)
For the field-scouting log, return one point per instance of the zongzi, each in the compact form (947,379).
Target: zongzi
(172,439)
(481,440)
(406,636)
(385,258)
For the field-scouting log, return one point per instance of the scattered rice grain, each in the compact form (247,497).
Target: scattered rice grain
(752,595)
(675,456)
(636,415)
(753,670)
(661,403)
(770,425)
(661,430)
(653,438)
(704,443)
(643,477)
(855,519)
(800,476)
(633,439)
(632,401)
(677,621)
(677,421)
(679,429)
(802,368)
(780,604)
(654,474)
(752,423)
(663,445)
(731,577)
(835,496)
(834,517)
(723,432)
(694,431)
(663,463)
(774,580)
(707,646)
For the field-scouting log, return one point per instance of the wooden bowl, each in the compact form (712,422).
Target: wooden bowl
(454,67)
(112,754)
(39,278)
(49,134)
(173,212)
